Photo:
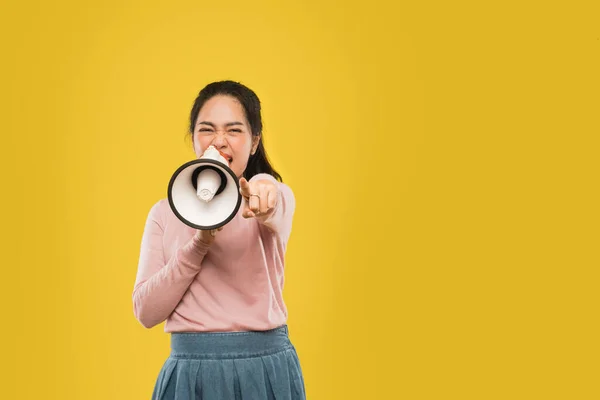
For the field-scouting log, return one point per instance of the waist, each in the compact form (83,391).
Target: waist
(222,345)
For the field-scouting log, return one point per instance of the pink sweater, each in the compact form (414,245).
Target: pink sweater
(235,284)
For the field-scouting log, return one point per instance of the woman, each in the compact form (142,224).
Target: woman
(221,292)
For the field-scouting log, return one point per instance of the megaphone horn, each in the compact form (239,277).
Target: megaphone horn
(205,193)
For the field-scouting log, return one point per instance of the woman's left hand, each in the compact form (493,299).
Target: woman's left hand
(260,197)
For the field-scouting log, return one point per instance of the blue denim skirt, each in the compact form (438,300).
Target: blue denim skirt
(231,366)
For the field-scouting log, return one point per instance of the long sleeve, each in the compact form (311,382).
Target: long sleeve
(160,284)
(279,220)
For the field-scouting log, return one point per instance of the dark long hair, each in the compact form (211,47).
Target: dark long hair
(259,161)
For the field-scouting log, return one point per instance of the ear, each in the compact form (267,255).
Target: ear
(255,142)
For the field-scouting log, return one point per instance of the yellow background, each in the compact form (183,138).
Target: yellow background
(443,155)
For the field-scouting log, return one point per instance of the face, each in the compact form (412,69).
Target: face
(222,123)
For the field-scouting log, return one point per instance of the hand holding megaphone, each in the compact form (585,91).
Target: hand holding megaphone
(260,197)
(207,236)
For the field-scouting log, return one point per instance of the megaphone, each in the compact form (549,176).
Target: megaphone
(205,193)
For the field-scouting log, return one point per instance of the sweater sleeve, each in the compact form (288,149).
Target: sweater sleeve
(279,220)
(160,284)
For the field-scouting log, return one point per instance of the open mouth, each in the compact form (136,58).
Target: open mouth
(226,156)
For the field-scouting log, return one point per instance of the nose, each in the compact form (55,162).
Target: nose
(219,141)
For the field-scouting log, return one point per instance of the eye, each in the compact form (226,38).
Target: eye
(204,130)
(235,130)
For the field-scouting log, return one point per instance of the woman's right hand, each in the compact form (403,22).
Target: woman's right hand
(207,237)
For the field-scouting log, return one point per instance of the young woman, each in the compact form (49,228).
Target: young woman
(220,293)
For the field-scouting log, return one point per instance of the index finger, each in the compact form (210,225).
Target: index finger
(244,187)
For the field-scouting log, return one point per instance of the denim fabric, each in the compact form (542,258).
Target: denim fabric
(231,366)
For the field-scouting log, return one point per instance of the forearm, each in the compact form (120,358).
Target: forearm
(156,297)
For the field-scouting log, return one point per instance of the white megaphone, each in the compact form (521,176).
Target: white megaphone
(205,193)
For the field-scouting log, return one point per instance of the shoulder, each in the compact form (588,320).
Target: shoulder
(161,216)
(158,211)
(160,206)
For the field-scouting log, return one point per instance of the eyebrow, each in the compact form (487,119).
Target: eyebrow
(213,125)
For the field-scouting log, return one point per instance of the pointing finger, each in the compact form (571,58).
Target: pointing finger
(244,188)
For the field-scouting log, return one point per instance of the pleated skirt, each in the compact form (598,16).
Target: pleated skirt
(231,366)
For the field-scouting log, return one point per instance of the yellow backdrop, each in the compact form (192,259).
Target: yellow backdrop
(443,156)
